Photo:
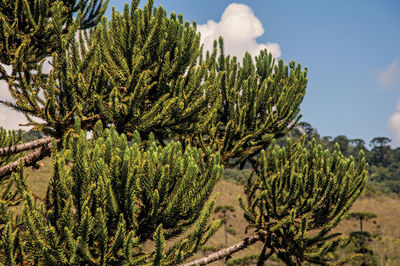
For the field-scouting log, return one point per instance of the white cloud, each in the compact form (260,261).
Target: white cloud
(390,77)
(4,94)
(47,67)
(2,118)
(239,28)
(394,125)
(9,119)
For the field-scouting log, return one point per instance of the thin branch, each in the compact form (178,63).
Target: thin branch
(43,150)
(29,160)
(24,146)
(247,241)
(89,122)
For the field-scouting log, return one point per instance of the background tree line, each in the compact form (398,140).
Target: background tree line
(383,160)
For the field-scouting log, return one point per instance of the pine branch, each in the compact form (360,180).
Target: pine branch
(88,123)
(223,253)
(24,146)
(43,150)
(29,160)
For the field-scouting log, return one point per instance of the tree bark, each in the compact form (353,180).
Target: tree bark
(24,146)
(28,160)
(43,149)
(247,241)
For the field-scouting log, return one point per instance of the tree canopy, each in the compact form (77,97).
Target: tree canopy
(165,117)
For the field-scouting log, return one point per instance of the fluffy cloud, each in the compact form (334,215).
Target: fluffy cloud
(239,27)
(2,117)
(390,77)
(9,119)
(4,94)
(394,125)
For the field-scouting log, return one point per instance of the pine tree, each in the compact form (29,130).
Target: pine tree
(115,73)
(359,238)
(224,210)
(165,119)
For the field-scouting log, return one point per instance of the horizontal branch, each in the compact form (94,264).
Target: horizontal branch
(247,241)
(88,123)
(24,146)
(29,160)
(42,149)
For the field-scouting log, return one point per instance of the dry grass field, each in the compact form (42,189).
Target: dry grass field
(385,228)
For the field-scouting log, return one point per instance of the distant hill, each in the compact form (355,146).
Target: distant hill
(31,135)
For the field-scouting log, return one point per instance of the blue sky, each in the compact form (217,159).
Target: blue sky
(351,48)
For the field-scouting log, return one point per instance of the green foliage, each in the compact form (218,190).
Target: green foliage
(298,195)
(27,34)
(8,245)
(145,71)
(380,155)
(231,231)
(208,248)
(10,232)
(140,71)
(8,139)
(360,215)
(257,102)
(368,259)
(144,77)
(112,198)
(157,81)
(51,97)
(224,209)
(8,195)
(384,161)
